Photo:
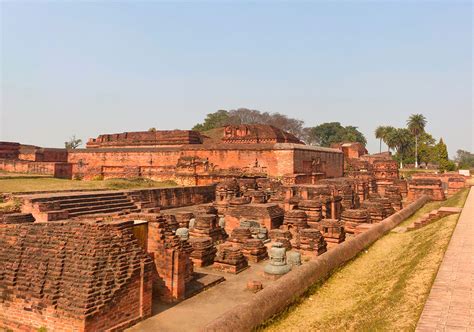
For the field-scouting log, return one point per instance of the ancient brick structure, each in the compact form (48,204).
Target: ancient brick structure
(432,187)
(387,205)
(226,191)
(353,218)
(313,210)
(332,231)
(16,218)
(206,226)
(268,215)
(9,150)
(451,182)
(346,188)
(311,242)
(386,172)
(203,251)
(59,206)
(282,236)
(72,276)
(56,169)
(230,259)
(18,158)
(434,215)
(146,138)
(257,133)
(188,158)
(351,149)
(294,221)
(254,250)
(326,194)
(395,197)
(376,210)
(183,218)
(171,257)
(36,153)
(402,185)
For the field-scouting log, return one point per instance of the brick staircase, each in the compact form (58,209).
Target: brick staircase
(61,206)
(434,215)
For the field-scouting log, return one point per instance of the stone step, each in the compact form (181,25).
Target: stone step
(69,206)
(104,210)
(73,196)
(88,199)
(91,207)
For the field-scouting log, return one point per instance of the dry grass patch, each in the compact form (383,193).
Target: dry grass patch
(29,184)
(383,288)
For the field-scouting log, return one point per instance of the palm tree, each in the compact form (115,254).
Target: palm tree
(416,125)
(399,139)
(380,132)
(388,132)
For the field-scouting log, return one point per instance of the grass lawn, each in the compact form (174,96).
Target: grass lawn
(27,183)
(383,288)
(407,172)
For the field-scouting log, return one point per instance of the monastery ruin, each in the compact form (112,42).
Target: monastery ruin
(249,196)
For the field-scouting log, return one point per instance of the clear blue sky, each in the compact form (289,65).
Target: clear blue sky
(88,68)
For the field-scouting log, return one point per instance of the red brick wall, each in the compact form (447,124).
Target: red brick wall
(9,150)
(16,318)
(153,164)
(331,163)
(61,170)
(160,164)
(240,158)
(133,303)
(42,288)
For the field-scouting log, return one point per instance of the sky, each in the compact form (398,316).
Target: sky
(88,68)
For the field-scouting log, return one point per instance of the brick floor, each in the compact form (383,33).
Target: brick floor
(450,305)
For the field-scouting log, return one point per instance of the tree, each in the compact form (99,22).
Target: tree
(389,130)
(73,143)
(399,139)
(380,132)
(465,159)
(426,149)
(444,164)
(214,120)
(416,125)
(152,129)
(333,132)
(248,116)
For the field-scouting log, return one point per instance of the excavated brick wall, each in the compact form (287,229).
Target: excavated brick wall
(72,276)
(161,163)
(171,257)
(60,170)
(124,163)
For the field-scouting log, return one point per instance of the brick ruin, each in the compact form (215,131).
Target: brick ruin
(18,158)
(184,156)
(72,276)
(284,204)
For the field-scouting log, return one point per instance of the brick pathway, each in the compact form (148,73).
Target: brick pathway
(450,305)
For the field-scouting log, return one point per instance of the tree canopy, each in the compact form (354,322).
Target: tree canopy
(248,116)
(73,142)
(465,159)
(416,124)
(333,132)
(323,134)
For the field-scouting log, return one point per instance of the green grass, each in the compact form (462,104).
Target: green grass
(383,288)
(22,183)
(407,172)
